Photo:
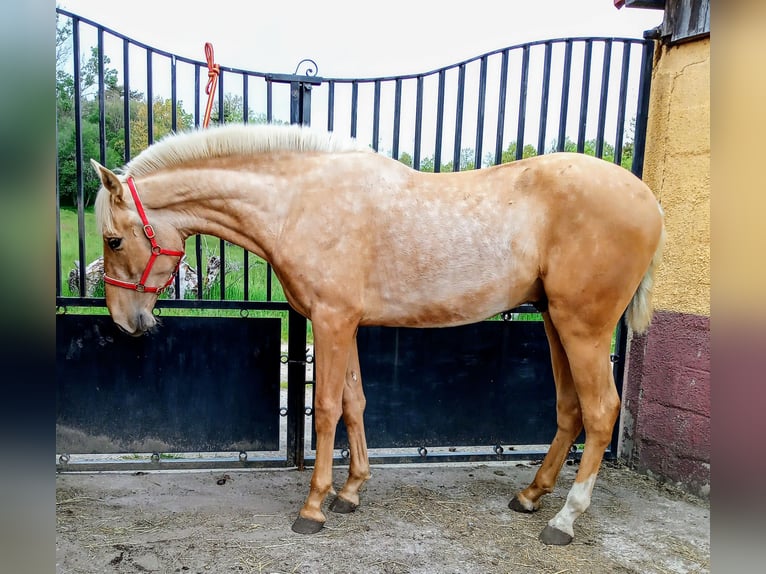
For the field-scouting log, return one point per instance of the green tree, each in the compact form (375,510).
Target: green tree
(89,124)
(233,106)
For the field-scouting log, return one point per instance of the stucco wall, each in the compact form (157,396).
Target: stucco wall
(666,397)
(677,168)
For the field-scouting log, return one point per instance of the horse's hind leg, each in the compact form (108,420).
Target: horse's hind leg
(569,423)
(588,354)
(353,412)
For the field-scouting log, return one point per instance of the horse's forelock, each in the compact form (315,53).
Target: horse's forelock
(103,210)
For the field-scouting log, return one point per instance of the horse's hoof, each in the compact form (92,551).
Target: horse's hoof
(342,506)
(515,504)
(306,526)
(554,536)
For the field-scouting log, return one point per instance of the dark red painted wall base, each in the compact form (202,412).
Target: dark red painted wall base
(666,401)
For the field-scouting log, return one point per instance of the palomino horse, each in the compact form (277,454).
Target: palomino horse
(357,238)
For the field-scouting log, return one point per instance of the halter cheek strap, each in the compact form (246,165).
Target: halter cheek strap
(141,286)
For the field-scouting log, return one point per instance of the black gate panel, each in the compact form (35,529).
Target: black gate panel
(482,384)
(195,385)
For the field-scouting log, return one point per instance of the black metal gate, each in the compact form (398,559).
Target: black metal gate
(206,389)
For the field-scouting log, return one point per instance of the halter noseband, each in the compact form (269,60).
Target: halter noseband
(156,252)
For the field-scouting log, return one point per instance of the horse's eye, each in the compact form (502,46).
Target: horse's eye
(114,243)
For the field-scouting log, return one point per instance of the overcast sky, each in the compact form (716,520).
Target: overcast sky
(350,38)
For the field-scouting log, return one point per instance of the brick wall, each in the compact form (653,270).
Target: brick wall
(666,401)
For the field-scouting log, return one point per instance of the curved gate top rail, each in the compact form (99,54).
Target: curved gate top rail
(230,69)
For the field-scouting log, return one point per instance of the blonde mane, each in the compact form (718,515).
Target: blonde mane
(221,141)
(236,139)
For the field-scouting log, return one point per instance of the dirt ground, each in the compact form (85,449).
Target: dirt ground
(424,519)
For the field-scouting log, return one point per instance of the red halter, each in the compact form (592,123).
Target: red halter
(156,252)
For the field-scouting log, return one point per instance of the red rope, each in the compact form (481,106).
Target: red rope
(212,81)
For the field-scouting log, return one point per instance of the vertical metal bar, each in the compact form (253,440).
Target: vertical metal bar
(376,116)
(480,113)
(561,140)
(221,111)
(296,389)
(149,99)
(330,105)
(295,103)
(126,98)
(196,96)
(222,273)
(501,108)
(397,118)
(221,242)
(459,118)
(245,252)
(522,102)
(418,123)
(78,152)
(269,101)
(584,95)
(305,104)
(618,371)
(173,94)
(174,128)
(296,382)
(58,218)
(642,112)
(439,124)
(618,139)
(354,106)
(245,99)
(198,255)
(544,99)
(604,97)
(101,100)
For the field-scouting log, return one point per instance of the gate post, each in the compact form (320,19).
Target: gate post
(296,389)
(300,94)
(300,113)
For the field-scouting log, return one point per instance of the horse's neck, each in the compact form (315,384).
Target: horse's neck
(238,207)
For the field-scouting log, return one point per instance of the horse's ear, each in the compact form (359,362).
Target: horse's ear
(109,180)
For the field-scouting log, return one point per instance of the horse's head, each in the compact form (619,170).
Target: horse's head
(141,253)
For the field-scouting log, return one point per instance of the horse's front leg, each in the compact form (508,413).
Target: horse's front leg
(353,415)
(333,339)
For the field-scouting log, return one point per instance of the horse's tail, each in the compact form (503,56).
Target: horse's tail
(639,311)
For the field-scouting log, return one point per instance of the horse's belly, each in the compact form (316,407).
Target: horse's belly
(443,303)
